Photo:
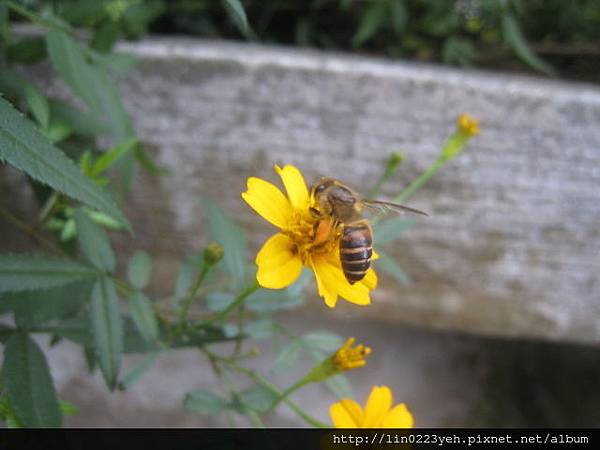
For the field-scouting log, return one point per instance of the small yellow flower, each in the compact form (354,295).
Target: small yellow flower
(378,412)
(467,125)
(281,258)
(348,357)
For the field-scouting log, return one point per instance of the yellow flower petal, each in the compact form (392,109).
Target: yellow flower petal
(294,185)
(332,278)
(329,297)
(370,280)
(278,262)
(398,417)
(346,414)
(268,201)
(378,405)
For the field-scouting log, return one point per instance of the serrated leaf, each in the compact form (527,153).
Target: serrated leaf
(25,148)
(139,269)
(371,22)
(109,158)
(237,14)
(94,242)
(390,266)
(288,356)
(390,230)
(232,238)
(89,82)
(139,370)
(514,38)
(107,330)
(204,402)
(323,340)
(38,105)
(19,272)
(38,307)
(142,313)
(81,122)
(28,383)
(258,399)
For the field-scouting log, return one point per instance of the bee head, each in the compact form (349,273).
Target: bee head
(320,187)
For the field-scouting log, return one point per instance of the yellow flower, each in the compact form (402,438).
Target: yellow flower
(467,125)
(281,258)
(378,412)
(348,357)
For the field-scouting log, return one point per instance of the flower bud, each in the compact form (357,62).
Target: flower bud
(213,253)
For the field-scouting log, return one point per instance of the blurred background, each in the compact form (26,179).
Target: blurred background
(488,312)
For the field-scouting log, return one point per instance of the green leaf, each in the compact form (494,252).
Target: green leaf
(390,230)
(142,312)
(28,383)
(187,272)
(257,398)
(399,15)
(288,356)
(38,105)
(81,122)
(91,83)
(20,272)
(515,39)
(204,402)
(236,13)
(109,158)
(390,266)
(139,370)
(340,386)
(218,301)
(58,131)
(139,269)
(69,231)
(371,22)
(24,147)
(105,220)
(94,242)
(33,308)
(147,163)
(107,329)
(27,50)
(233,240)
(68,408)
(265,300)
(323,340)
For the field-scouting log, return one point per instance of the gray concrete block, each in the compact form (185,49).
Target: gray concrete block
(512,242)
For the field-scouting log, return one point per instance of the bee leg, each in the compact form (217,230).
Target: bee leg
(314,212)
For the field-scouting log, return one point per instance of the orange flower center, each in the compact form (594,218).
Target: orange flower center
(308,240)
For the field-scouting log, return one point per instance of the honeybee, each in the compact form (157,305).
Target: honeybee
(339,208)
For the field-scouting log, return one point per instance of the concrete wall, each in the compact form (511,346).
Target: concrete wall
(510,249)
(512,244)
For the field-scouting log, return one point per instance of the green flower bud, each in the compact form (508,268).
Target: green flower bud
(213,253)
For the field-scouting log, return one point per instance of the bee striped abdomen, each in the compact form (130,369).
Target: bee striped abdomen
(356,250)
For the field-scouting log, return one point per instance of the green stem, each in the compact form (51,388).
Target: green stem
(232,306)
(420,181)
(189,300)
(33,17)
(274,389)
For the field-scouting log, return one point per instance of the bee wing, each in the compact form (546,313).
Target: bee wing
(389,206)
